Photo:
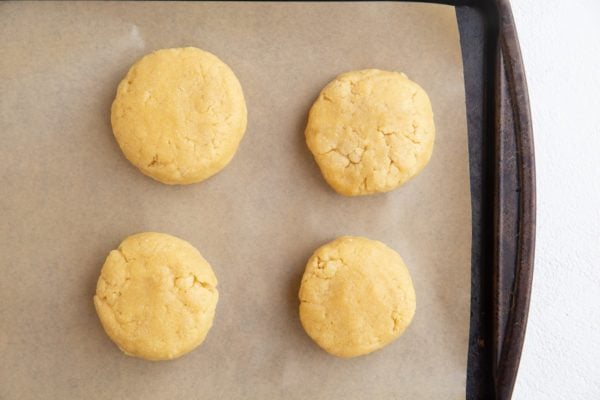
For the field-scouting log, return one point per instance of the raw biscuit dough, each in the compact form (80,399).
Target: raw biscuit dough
(356,296)
(179,115)
(156,296)
(370,131)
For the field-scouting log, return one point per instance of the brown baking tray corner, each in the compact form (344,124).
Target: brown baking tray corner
(502,175)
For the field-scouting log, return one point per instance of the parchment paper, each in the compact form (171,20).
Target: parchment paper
(68,197)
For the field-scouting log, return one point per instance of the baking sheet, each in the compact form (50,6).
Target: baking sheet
(68,196)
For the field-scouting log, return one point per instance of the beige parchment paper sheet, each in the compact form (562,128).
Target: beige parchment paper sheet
(68,197)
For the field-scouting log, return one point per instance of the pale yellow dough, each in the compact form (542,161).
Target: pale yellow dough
(370,131)
(156,296)
(179,115)
(356,296)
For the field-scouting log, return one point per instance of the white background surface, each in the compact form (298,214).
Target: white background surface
(560,41)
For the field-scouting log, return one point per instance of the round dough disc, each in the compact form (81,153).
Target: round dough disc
(370,131)
(356,296)
(179,115)
(156,296)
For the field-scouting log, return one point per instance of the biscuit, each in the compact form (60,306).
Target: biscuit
(179,115)
(356,296)
(370,131)
(156,296)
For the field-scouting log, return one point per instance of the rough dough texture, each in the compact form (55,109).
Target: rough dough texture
(179,115)
(356,296)
(370,131)
(156,296)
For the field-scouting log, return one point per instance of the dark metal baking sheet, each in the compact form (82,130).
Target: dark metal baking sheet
(502,174)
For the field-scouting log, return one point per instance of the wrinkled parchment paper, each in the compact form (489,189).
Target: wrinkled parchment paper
(68,196)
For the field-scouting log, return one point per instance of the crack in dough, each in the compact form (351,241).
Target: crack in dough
(356,296)
(179,115)
(156,296)
(362,120)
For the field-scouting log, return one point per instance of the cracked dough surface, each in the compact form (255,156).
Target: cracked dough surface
(370,131)
(156,296)
(356,296)
(179,115)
